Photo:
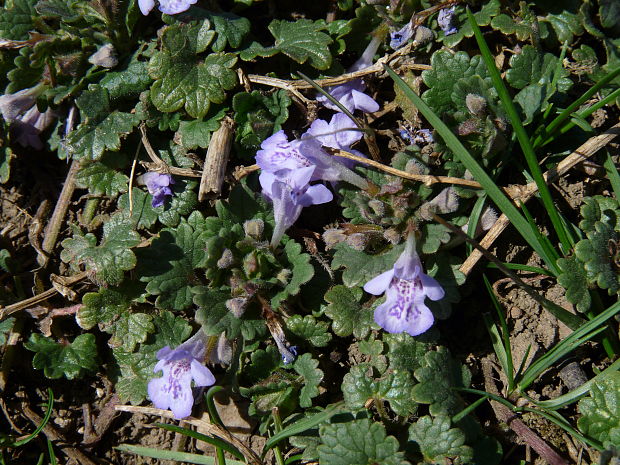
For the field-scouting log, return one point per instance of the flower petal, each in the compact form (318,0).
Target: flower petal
(157,393)
(379,284)
(201,374)
(363,102)
(315,195)
(432,288)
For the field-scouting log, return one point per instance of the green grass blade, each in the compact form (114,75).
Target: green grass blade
(293,458)
(522,137)
(574,340)
(172,455)
(577,393)
(519,267)
(214,441)
(562,117)
(492,190)
(474,219)
(303,425)
(506,349)
(52,454)
(612,174)
(48,414)
(467,410)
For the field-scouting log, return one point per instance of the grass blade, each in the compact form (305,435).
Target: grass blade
(303,425)
(522,137)
(217,442)
(172,455)
(492,190)
(48,414)
(474,219)
(612,174)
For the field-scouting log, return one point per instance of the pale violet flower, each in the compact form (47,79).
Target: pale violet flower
(445,19)
(351,94)
(290,192)
(340,133)
(400,38)
(158,186)
(169,7)
(180,367)
(406,287)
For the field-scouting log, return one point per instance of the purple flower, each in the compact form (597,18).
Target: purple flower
(180,366)
(351,95)
(406,287)
(21,112)
(170,7)
(445,19)
(277,154)
(290,192)
(340,133)
(400,38)
(158,186)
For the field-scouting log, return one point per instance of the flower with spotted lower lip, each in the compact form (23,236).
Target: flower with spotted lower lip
(180,366)
(406,287)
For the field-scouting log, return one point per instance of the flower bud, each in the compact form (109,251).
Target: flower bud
(226,260)
(468,127)
(377,206)
(104,57)
(333,236)
(237,306)
(254,228)
(392,236)
(284,276)
(358,241)
(250,264)
(476,104)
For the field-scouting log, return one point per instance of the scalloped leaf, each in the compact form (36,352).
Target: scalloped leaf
(303,40)
(599,257)
(195,134)
(5,328)
(358,387)
(347,314)
(309,329)
(215,318)
(131,329)
(184,80)
(128,82)
(483,18)
(109,260)
(16,22)
(183,202)
(438,442)
(143,215)
(302,272)
(405,352)
(103,177)
(358,442)
(600,412)
(169,265)
(306,366)
(103,306)
(73,360)
(229,28)
(575,280)
(361,267)
(599,208)
(437,378)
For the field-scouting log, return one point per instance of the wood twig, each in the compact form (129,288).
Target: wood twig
(161,166)
(216,159)
(524,193)
(60,210)
(209,428)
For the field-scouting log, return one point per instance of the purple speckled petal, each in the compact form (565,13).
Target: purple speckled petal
(172,7)
(379,284)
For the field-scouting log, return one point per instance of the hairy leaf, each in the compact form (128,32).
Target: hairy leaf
(601,411)
(309,329)
(361,267)
(306,366)
(303,40)
(104,177)
(73,360)
(348,315)
(438,442)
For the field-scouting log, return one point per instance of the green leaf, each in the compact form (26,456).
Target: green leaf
(5,328)
(103,177)
(169,265)
(128,82)
(16,22)
(94,103)
(6,155)
(361,267)
(309,329)
(600,261)
(438,442)
(216,318)
(574,279)
(183,201)
(358,386)
(90,140)
(483,18)
(566,24)
(195,134)
(109,260)
(507,25)
(358,442)
(131,329)
(599,208)
(229,28)
(143,214)
(405,352)
(306,366)
(441,81)
(302,40)
(73,360)
(136,369)
(104,306)
(437,380)
(609,12)
(601,411)
(182,79)
(348,315)
(302,272)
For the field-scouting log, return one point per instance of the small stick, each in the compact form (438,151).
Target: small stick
(26,303)
(216,159)
(210,428)
(62,205)
(159,165)
(524,193)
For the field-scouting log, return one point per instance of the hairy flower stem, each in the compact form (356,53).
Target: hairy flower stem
(89,210)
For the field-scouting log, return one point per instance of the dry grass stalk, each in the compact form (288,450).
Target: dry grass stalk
(216,159)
